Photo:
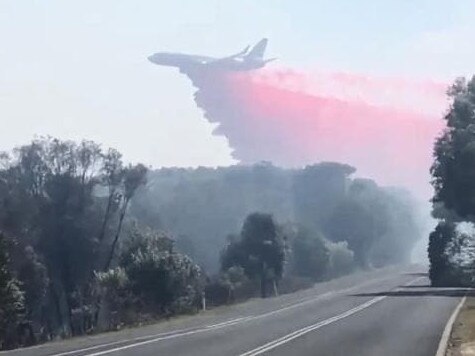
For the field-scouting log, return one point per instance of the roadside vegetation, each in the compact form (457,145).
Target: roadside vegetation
(462,338)
(90,244)
(452,243)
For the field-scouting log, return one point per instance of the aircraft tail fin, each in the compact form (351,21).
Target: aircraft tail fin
(258,50)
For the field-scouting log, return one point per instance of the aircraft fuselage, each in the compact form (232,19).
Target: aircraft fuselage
(242,61)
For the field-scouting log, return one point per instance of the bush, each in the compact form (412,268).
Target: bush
(310,256)
(231,286)
(440,271)
(216,293)
(341,259)
(164,280)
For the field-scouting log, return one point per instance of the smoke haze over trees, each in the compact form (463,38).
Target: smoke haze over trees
(89,243)
(202,206)
(295,118)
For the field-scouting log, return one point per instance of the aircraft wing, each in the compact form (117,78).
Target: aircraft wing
(217,61)
(201,59)
(228,58)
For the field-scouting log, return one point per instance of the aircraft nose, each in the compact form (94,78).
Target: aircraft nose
(150,58)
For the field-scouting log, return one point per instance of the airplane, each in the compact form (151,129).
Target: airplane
(241,61)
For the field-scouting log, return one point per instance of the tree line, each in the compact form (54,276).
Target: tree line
(452,245)
(203,206)
(62,212)
(88,243)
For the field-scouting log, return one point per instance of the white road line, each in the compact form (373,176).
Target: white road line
(444,340)
(289,337)
(265,347)
(167,337)
(229,322)
(184,332)
(313,299)
(95,347)
(189,331)
(180,332)
(256,351)
(105,352)
(298,333)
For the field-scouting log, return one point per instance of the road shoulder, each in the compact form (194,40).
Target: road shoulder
(224,314)
(462,337)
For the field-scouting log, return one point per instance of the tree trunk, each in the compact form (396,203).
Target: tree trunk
(263,279)
(263,285)
(62,307)
(274,284)
(116,238)
(106,216)
(203,301)
(103,315)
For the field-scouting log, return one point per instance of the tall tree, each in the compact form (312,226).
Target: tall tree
(50,199)
(112,175)
(453,173)
(134,177)
(260,251)
(453,169)
(11,299)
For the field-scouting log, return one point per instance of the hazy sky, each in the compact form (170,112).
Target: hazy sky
(78,69)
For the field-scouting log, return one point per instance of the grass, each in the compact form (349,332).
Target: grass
(462,339)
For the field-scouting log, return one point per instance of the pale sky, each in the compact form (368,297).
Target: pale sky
(78,69)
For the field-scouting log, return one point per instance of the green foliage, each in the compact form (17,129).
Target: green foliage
(34,279)
(230,286)
(260,251)
(310,256)
(378,224)
(11,299)
(206,204)
(453,169)
(453,173)
(114,285)
(317,190)
(452,254)
(341,259)
(233,277)
(438,241)
(52,199)
(113,279)
(159,276)
(133,178)
(67,203)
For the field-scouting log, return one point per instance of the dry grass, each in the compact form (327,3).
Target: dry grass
(462,339)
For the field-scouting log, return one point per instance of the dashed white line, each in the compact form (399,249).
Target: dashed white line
(154,337)
(298,333)
(289,337)
(184,332)
(173,336)
(135,342)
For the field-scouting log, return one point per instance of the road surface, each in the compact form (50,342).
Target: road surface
(385,312)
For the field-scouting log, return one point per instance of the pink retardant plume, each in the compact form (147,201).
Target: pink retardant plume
(383,127)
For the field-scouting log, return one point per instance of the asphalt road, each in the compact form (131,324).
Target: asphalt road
(384,312)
